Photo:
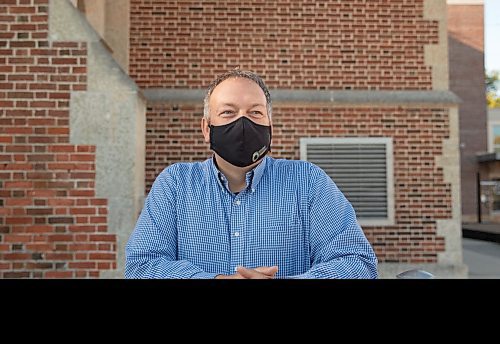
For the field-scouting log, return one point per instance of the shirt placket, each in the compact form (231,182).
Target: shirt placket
(237,226)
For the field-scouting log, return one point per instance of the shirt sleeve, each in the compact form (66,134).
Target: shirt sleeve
(339,248)
(151,251)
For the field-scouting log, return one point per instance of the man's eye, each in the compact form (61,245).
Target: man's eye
(256,113)
(227,112)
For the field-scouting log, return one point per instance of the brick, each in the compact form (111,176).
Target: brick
(21,9)
(20,95)
(19,220)
(42,193)
(65,45)
(99,201)
(40,157)
(102,256)
(59,95)
(102,237)
(64,61)
(82,149)
(38,229)
(81,193)
(16,274)
(43,104)
(41,139)
(61,166)
(39,211)
(59,256)
(82,157)
(98,219)
(83,247)
(6,104)
(5,139)
(21,60)
(83,175)
(16,256)
(78,211)
(105,266)
(42,266)
(18,185)
(62,148)
(82,265)
(79,70)
(58,131)
(61,202)
(55,220)
(23,44)
(106,247)
(21,77)
(82,229)
(42,86)
(42,69)
(81,274)
(59,274)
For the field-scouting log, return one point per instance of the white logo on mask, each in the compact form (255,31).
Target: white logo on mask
(258,153)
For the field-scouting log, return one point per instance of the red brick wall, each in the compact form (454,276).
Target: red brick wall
(294,44)
(422,196)
(173,134)
(51,223)
(356,45)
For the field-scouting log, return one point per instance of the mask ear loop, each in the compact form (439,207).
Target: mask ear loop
(270,137)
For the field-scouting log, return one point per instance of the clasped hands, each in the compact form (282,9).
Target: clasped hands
(262,272)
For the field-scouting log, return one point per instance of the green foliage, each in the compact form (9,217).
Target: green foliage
(492,87)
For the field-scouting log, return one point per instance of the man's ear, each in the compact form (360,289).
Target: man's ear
(205,129)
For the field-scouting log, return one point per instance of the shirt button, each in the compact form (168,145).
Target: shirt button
(235,268)
(238,202)
(237,234)
(253,190)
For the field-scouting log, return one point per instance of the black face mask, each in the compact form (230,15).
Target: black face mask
(241,142)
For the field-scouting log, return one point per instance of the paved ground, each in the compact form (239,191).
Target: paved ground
(482,258)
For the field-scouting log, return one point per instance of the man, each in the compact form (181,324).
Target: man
(242,214)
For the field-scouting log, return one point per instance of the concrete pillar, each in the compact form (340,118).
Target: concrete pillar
(110,115)
(111,21)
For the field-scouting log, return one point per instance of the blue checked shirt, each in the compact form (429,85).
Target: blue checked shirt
(291,215)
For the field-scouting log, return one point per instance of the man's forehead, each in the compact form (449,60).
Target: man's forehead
(229,83)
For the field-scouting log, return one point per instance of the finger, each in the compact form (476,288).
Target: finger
(267,270)
(251,273)
(244,272)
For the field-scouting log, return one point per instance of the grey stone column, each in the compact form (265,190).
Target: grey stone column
(110,115)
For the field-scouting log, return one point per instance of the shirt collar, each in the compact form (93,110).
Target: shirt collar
(252,177)
(259,172)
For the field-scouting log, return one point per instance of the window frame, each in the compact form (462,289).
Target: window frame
(491,136)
